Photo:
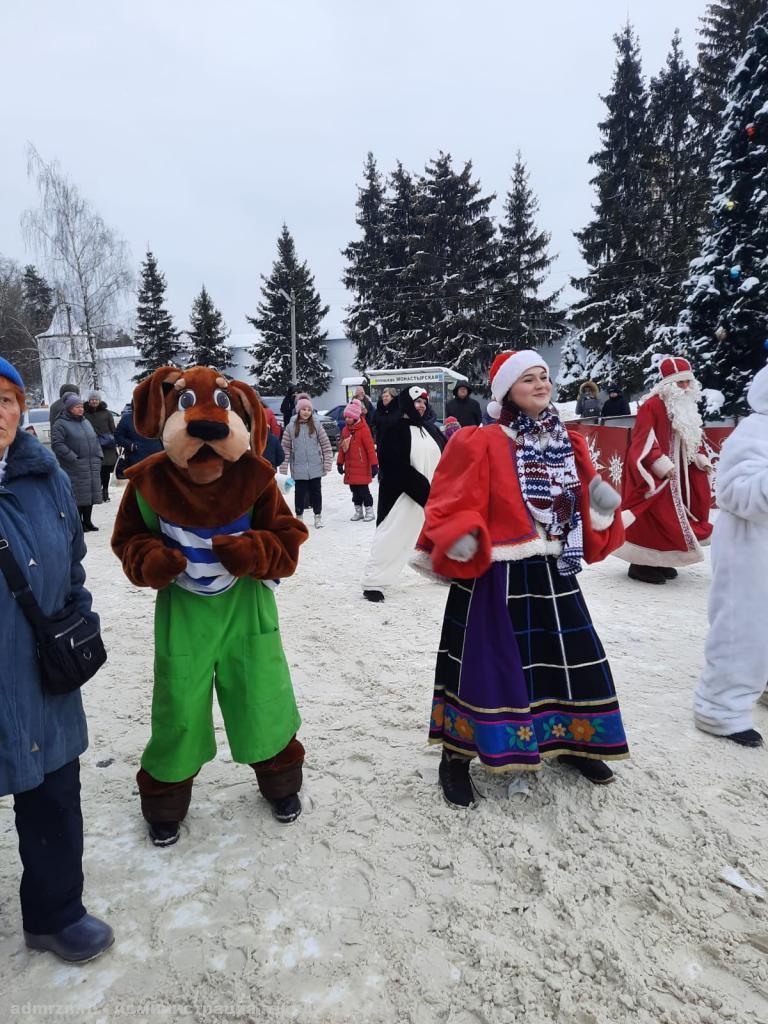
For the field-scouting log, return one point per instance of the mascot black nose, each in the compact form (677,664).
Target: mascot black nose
(208,430)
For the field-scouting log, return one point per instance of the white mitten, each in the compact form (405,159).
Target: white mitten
(464,548)
(602,497)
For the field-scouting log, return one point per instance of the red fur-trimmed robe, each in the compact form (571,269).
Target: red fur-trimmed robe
(665,520)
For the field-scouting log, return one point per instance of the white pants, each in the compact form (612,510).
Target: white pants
(393,543)
(736,653)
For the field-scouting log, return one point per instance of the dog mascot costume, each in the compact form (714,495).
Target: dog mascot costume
(203,523)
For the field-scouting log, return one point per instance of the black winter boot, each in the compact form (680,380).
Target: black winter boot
(747,738)
(373,595)
(646,574)
(596,771)
(286,809)
(455,781)
(164,833)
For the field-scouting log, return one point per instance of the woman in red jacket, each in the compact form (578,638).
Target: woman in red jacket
(521,673)
(357,460)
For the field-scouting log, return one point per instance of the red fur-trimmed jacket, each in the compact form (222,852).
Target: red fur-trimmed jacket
(476,487)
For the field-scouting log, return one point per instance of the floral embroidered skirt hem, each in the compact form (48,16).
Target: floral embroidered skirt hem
(521,674)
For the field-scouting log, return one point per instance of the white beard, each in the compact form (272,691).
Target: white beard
(682,405)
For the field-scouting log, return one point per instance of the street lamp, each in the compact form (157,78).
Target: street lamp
(292,300)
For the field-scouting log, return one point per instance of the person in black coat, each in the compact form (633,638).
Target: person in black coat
(135,446)
(616,404)
(288,405)
(466,410)
(387,413)
(58,406)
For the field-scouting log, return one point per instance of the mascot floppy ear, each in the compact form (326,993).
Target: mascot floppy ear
(149,412)
(252,412)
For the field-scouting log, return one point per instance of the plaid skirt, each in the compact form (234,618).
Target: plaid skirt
(521,673)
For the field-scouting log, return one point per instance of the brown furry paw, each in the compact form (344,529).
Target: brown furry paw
(236,554)
(161,566)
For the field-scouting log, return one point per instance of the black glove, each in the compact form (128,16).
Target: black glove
(340,468)
(374,471)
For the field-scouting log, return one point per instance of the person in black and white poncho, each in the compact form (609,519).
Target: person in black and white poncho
(408,456)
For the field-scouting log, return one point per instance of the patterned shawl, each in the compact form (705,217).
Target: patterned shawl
(549,483)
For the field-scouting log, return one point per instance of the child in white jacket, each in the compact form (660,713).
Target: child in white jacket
(736,668)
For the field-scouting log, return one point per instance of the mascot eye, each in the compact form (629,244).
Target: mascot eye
(187,399)
(221,398)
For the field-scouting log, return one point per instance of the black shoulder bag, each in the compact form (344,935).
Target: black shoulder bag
(69,647)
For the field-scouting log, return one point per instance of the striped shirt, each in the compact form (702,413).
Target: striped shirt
(204,573)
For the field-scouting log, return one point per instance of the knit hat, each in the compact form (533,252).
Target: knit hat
(95,394)
(303,403)
(450,426)
(9,371)
(675,368)
(354,409)
(508,367)
(71,401)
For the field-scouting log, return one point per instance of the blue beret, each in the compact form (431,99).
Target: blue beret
(9,370)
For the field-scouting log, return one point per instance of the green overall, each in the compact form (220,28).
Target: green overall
(230,640)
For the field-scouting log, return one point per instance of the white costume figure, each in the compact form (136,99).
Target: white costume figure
(736,668)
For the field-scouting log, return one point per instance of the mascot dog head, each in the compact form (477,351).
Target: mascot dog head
(203,420)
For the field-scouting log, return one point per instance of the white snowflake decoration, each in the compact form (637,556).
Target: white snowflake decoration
(616,469)
(594,452)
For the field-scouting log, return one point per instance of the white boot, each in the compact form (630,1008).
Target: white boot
(358,513)
(318,521)
(368,514)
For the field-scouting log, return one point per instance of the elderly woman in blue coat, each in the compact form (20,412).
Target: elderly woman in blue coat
(42,736)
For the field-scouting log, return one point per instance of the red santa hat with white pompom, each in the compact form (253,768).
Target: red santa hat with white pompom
(508,367)
(674,368)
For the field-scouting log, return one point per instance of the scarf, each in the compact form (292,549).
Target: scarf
(549,483)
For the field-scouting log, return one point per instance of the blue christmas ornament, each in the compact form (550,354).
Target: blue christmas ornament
(735,272)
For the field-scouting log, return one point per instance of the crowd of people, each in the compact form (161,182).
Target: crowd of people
(505,507)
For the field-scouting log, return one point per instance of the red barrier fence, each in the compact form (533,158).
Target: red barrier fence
(608,447)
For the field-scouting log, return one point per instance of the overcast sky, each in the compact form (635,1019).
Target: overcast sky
(197,128)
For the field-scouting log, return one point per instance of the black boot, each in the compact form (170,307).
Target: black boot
(105,494)
(286,809)
(164,833)
(747,738)
(669,572)
(455,781)
(596,771)
(647,574)
(77,943)
(373,595)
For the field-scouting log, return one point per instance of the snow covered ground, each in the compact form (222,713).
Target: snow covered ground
(571,903)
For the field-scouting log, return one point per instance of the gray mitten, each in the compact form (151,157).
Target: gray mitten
(464,548)
(602,497)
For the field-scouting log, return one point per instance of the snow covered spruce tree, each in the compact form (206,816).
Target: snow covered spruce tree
(208,334)
(520,316)
(725,322)
(680,191)
(365,275)
(155,337)
(398,311)
(39,300)
(617,243)
(724,30)
(448,279)
(272,351)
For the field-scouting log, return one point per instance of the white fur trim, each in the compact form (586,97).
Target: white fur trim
(672,378)
(653,486)
(516,552)
(638,555)
(599,521)
(661,467)
(494,409)
(511,370)
(702,461)
(627,517)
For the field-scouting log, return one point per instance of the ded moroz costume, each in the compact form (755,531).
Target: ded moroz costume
(666,493)
(521,673)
